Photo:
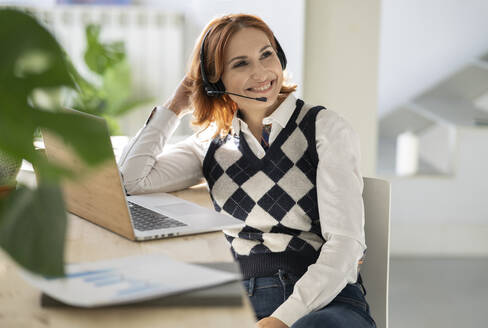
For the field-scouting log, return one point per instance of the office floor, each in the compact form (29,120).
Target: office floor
(431,293)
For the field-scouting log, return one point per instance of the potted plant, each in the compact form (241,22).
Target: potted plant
(34,76)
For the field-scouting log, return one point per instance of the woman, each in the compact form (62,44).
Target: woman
(288,169)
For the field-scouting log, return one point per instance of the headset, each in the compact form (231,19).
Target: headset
(218,88)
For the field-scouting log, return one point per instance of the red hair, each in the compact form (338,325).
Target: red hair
(221,110)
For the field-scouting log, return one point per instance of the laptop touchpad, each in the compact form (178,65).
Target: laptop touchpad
(178,210)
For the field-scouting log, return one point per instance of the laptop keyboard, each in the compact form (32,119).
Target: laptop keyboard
(144,219)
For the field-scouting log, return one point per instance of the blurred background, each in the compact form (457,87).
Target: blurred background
(411,77)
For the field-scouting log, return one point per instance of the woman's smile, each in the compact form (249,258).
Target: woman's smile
(262,87)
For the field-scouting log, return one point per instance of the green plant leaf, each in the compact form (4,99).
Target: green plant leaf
(117,86)
(30,59)
(30,56)
(101,56)
(33,227)
(11,124)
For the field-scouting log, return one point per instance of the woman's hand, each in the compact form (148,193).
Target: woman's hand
(271,322)
(180,102)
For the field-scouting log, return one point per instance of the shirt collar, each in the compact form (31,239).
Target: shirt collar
(281,115)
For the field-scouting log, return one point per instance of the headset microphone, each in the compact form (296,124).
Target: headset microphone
(214,92)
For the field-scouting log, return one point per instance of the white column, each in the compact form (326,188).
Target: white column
(341,65)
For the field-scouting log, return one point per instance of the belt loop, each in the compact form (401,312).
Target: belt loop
(283,276)
(250,290)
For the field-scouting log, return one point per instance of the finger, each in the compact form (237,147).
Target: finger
(187,82)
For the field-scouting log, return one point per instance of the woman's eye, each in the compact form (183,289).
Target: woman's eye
(240,64)
(266,54)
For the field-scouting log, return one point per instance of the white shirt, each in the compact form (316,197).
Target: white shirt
(149,165)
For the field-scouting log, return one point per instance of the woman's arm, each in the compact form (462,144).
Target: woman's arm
(341,210)
(148,165)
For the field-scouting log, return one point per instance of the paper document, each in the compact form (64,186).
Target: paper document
(127,280)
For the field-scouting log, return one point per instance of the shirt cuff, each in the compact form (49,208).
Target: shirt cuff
(164,120)
(290,311)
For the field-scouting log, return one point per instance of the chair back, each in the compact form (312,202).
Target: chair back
(375,269)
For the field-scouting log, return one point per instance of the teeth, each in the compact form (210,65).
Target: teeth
(263,88)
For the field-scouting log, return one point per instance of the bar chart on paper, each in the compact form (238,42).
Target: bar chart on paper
(127,280)
(114,281)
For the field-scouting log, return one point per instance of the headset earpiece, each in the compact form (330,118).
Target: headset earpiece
(280,53)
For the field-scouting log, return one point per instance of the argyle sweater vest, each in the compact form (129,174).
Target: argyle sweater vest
(275,196)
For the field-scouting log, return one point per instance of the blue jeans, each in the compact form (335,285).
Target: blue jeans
(349,309)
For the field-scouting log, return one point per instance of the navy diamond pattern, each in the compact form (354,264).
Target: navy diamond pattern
(279,228)
(296,244)
(239,204)
(229,238)
(251,233)
(308,203)
(240,171)
(299,245)
(215,173)
(216,206)
(306,166)
(260,249)
(275,202)
(278,165)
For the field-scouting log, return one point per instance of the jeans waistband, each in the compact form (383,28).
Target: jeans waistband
(263,265)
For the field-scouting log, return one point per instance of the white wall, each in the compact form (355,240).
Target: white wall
(423,41)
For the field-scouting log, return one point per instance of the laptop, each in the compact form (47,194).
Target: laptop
(98,195)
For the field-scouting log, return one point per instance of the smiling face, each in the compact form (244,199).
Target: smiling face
(252,68)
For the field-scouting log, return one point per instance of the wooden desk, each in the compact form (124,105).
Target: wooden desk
(20,303)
